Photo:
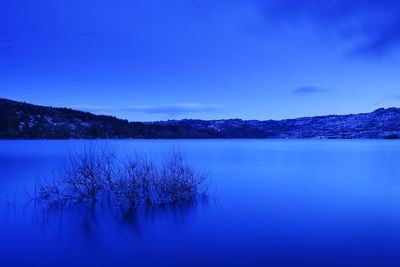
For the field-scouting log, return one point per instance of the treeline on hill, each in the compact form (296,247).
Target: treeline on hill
(25,121)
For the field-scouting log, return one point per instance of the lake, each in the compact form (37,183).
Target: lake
(273,202)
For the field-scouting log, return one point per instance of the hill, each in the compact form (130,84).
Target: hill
(20,120)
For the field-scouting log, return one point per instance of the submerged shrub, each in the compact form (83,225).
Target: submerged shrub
(128,182)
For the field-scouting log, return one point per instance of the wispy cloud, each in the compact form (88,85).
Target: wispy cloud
(6,47)
(308,90)
(371,27)
(5,42)
(393,96)
(174,109)
(85,34)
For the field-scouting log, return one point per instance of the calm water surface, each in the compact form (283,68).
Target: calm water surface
(278,202)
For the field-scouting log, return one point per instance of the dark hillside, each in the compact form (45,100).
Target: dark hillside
(26,121)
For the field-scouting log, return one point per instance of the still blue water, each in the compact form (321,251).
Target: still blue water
(275,202)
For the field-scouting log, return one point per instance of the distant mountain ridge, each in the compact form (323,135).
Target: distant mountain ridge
(20,120)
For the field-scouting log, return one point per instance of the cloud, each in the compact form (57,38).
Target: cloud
(308,90)
(149,109)
(85,34)
(371,27)
(6,47)
(394,96)
(5,42)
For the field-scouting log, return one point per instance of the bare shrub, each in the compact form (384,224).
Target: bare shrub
(136,184)
(51,193)
(129,182)
(179,181)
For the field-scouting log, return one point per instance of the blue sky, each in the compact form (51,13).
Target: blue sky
(208,59)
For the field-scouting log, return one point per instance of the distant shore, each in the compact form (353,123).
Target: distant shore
(19,120)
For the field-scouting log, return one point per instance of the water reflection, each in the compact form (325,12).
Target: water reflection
(91,221)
